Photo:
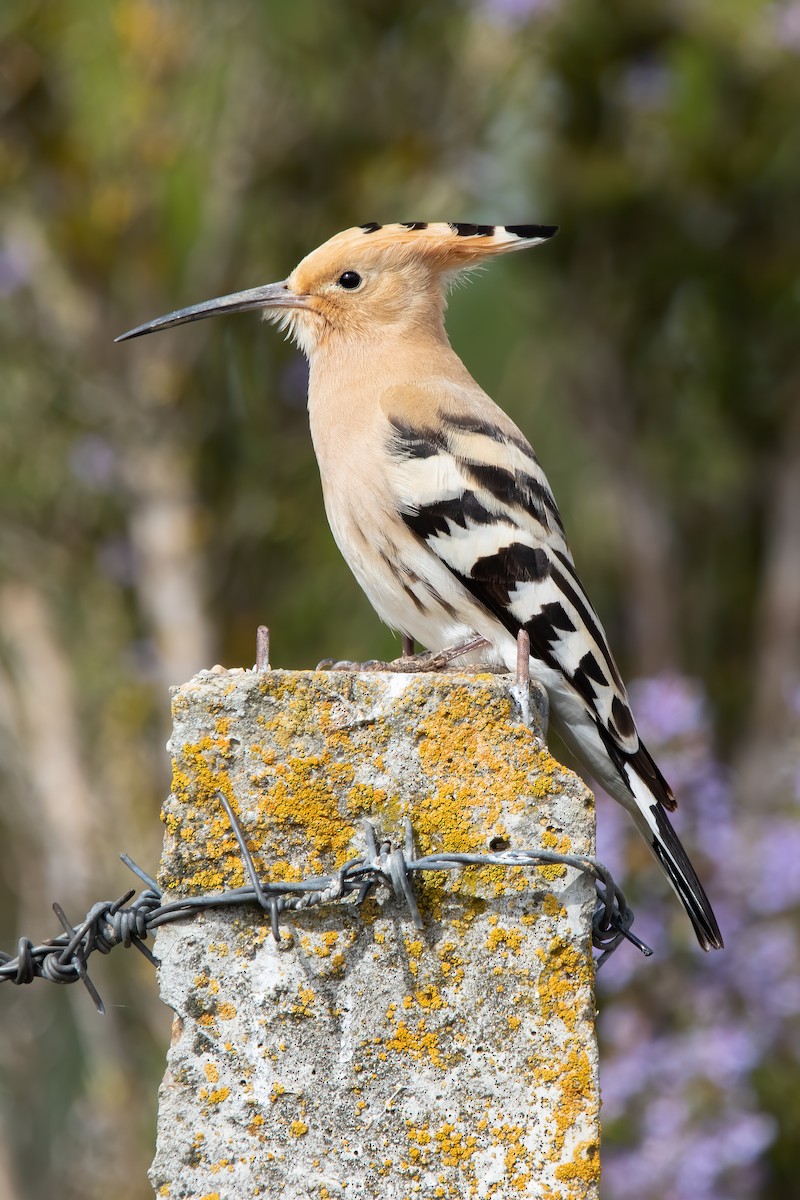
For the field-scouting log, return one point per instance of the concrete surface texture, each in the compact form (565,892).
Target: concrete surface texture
(364,1057)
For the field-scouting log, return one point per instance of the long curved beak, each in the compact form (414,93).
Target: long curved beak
(270,295)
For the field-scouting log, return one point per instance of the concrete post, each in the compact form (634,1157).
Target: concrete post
(364,1057)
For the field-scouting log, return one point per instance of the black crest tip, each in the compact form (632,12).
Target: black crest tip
(464,229)
(532,231)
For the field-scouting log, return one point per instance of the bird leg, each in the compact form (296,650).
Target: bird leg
(429,660)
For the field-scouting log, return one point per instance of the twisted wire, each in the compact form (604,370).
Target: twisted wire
(128,921)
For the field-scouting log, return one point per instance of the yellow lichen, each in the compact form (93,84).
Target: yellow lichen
(584,1166)
(305,1005)
(552,906)
(454,1148)
(429,997)
(420,1043)
(329,940)
(510,939)
(566,975)
(364,798)
(573,1080)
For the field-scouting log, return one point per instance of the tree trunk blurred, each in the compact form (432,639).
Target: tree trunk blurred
(775,673)
(62,808)
(169,573)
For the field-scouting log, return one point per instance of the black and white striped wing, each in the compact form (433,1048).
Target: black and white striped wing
(476,495)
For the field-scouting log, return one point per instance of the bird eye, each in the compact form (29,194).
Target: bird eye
(349,280)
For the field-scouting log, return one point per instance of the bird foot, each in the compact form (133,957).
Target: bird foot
(429,660)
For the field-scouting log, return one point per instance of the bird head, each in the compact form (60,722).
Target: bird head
(365,279)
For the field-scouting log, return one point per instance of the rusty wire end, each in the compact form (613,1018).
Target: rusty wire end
(523,658)
(262,649)
(521,687)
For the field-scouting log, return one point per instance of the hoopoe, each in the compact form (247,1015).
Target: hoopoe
(438,502)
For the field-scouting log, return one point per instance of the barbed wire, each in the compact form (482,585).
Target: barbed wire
(111,923)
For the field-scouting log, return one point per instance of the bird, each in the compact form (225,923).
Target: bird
(438,502)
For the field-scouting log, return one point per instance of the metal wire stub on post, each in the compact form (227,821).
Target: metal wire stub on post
(384,864)
(262,649)
(521,688)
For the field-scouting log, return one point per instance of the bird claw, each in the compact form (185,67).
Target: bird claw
(436,660)
(428,660)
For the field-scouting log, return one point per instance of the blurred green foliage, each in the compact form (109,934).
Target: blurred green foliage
(160,499)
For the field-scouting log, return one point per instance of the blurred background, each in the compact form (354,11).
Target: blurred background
(160,499)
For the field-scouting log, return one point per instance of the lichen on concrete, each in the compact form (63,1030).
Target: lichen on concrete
(364,1056)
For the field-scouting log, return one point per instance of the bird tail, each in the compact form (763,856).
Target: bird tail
(655,827)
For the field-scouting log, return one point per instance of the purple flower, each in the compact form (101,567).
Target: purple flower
(16,266)
(93,461)
(773,858)
(683,1034)
(115,560)
(647,85)
(786,25)
(669,706)
(517,11)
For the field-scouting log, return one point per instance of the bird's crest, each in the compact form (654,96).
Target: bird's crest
(448,245)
